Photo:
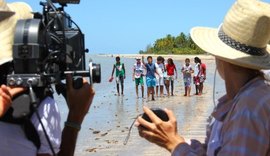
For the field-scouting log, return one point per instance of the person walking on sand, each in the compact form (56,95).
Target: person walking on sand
(138,73)
(150,76)
(196,77)
(120,75)
(187,71)
(171,75)
(240,121)
(160,68)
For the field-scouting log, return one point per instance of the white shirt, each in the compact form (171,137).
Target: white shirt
(14,142)
(197,69)
(138,70)
(160,69)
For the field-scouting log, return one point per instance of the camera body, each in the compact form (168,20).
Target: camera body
(48,47)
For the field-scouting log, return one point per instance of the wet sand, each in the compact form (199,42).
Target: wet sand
(106,125)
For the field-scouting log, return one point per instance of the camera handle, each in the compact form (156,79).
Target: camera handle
(78,77)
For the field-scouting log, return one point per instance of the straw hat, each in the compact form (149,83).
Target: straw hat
(9,14)
(243,37)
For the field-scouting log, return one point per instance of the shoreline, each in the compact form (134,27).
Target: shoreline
(108,122)
(175,57)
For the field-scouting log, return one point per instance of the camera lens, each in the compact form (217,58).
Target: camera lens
(96,73)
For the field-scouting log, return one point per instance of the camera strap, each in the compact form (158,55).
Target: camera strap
(21,111)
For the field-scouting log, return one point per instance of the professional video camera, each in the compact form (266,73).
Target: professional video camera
(48,47)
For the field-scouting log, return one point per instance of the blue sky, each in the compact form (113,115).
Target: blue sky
(127,26)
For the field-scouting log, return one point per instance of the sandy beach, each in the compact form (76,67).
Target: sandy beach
(106,125)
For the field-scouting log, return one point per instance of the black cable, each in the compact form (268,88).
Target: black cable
(61,22)
(35,106)
(214,89)
(44,130)
(73,23)
(129,131)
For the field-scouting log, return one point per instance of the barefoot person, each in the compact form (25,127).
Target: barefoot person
(160,68)
(120,75)
(171,75)
(150,76)
(241,118)
(138,73)
(196,77)
(187,71)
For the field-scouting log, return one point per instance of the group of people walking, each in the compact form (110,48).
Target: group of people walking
(160,75)
(199,76)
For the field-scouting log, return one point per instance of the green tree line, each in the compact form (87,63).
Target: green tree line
(182,44)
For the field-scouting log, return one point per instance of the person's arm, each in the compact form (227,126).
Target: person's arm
(124,71)
(176,74)
(143,60)
(165,67)
(199,68)
(191,70)
(133,74)
(156,70)
(144,70)
(157,73)
(6,94)
(183,70)
(165,134)
(113,70)
(77,111)
(204,71)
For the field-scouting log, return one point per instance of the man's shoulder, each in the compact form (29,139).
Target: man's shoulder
(255,96)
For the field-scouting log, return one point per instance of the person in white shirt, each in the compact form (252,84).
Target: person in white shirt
(138,73)
(160,68)
(196,77)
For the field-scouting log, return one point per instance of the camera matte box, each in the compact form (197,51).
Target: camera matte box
(66,1)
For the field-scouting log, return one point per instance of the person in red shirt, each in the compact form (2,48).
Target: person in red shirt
(202,76)
(170,68)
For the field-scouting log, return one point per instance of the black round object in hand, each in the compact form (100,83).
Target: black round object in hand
(159,113)
(77,82)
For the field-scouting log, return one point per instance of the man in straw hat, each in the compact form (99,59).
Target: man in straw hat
(13,138)
(242,117)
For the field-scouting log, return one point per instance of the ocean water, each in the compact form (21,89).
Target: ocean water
(112,115)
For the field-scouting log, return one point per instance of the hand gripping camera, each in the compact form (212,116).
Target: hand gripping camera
(48,47)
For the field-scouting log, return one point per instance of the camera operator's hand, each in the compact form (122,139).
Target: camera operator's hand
(78,100)
(159,132)
(6,94)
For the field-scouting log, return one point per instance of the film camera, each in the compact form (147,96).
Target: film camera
(48,47)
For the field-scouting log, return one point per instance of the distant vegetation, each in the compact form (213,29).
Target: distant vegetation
(182,44)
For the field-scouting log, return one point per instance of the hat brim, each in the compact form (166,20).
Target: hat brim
(5,14)
(208,40)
